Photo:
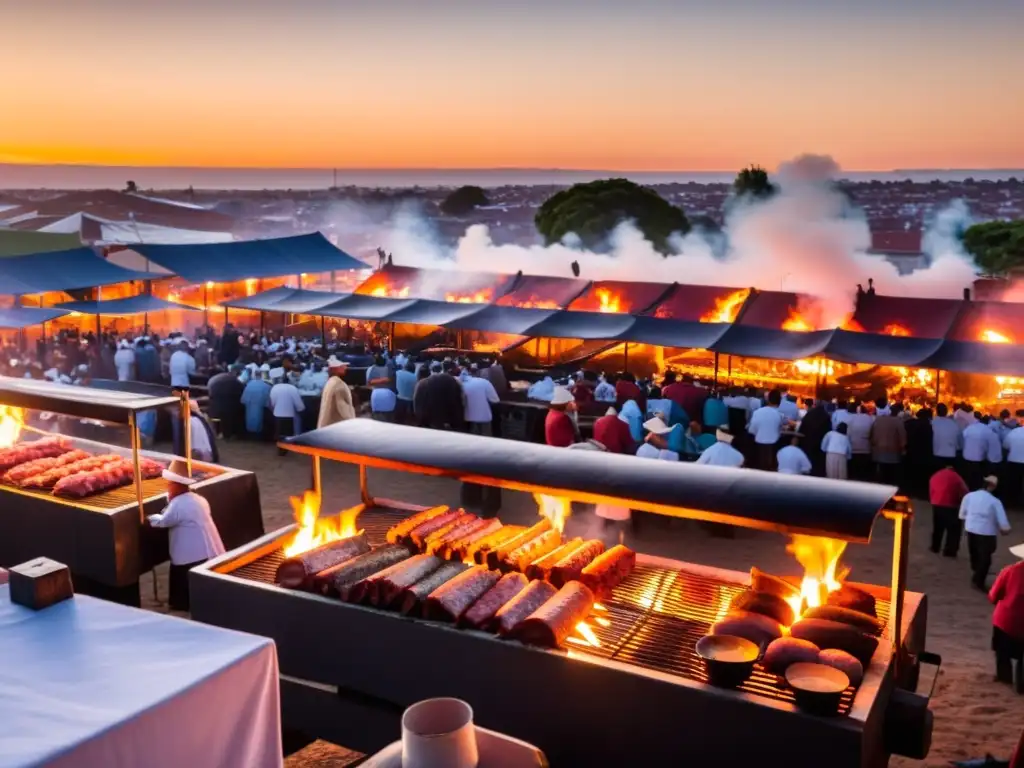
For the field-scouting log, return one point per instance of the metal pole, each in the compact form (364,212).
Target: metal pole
(716,370)
(323,332)
(625,357)
(938,378)
(206,306)
(900,562)
(728,360)
(133,428)
(364,486)
(186,426)
(318,486)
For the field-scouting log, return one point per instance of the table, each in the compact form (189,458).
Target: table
(92,684)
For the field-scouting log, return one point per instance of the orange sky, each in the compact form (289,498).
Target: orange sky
(640,86)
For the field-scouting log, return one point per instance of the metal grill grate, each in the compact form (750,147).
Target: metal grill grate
(652,620)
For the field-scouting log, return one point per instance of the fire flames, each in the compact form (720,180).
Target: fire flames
(315,531)
(820,558)
(849,324)
(727,308)
(796,322)
(11,421)
(816,367)
(391,293)
(534,303)
(480,297)
(609,301)
(555,508)
(895,329)
(994,337)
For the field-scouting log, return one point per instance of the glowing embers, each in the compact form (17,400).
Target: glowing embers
(11,421)
(990,336)
(313,530)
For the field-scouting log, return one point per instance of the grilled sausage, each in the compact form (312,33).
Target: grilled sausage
(554,621)
(443,523)
(843,661)
(571,566)
(831,634)
(400,531)
(383,587)
(431,540)
(765,582)
(764,603)
(483,610)
(532,597)
(340,579)
(496,555)
(523,555)
(412,597)
(440,546)
(479,549)
(459,549)
(861,621)
(449,601)
(849,596)
(607,570)
(298,572)
(541,567)
(754,627)
(788,650)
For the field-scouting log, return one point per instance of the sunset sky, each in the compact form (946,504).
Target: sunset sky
(594,84)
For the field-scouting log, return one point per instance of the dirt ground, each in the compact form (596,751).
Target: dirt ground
(973,714)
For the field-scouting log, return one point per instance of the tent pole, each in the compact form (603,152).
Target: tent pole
(99,297)
(716,370)
(323,332)
(625,357)
(728,375)
(262,318)
(938,378)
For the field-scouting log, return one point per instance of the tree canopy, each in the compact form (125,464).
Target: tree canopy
(592,210)
(997,246)
(464,200)
(753,181)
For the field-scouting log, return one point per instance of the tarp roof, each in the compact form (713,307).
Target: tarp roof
(582,325)
(978,357)
(543,292)
(879,349)
(16,242)
(436,284)
(427,312)
(14,318)
(926,318)
(62,270)
(1003,318)
(665,332)
(770,343)
(498,319)
(692,302)
(129,305)
(262,300)
(769,309)
(364,307)
(620,296)
(227,262)
(303,302)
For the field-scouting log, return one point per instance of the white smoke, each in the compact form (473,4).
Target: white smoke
(806,239)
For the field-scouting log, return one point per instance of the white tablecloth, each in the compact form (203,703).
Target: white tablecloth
(92,684)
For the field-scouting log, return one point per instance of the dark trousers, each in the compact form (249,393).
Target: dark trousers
(890,474)
(1013,483)
(764,457)
(973,473)
(981,548)
(179,597)
(862,467)
(284,426)
(1008,649)
(946,523)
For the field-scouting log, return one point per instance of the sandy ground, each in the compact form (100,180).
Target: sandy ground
(973,714)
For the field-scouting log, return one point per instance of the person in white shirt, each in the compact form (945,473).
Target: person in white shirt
(479,394)
(202,448)
(1014,480)
(843,413)
(859,432)
(836,446)
(947,437)
(789,408)
(984,519)
(722,454)
(182,366)
(766,427)
(194,538)
(655,445)
(124,361)
(976,442)
(792,460)
(287,406)
(964,416)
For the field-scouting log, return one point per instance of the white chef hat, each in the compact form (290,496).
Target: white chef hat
(276,373)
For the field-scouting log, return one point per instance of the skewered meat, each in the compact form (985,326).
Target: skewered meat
(478,550)
(843,661)
(111,475)
(555,620)
(541,567)
(483,610)
(861,621)
(831,634)
(849,596)
(764,603)
(412,597)
(571,566)
(23,471)
(49,478)
(765,582)
(788,650)
(532,597)
(298,572)
(754,627)
(433,544)
(449,601)
(384,587)
(37,449)
(416,536)
(522,556)
(459,549)
(495,556)
(608,569)
(340,579)
(400,530)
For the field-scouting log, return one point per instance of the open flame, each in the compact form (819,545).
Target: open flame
(994,337)
(11,421)
(796,322)
(820,558)
(609,301)
(849,324)
(726,308)
(587,634)
(920,378)
(391,293)
(315,531)
(895,329)
(817,367)
(480,297)
(555,508)
(534,303)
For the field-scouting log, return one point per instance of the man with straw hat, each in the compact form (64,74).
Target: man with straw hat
(656,443)
(336,402)
(1007,594)
(722,454)
(194,538)
(984,519)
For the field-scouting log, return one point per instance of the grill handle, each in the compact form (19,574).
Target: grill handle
(908,720)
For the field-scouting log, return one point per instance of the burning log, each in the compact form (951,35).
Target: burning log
(449,601)
(571,566)
(765,582)
(401,530)
(341,579)
(298,572)
(412,597)
(554,621)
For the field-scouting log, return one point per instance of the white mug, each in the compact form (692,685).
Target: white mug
(439,733)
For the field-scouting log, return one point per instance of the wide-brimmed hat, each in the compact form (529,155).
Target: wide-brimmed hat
(724,436)
(611,412)
(561,396)
(1018,551)
(333,362)
(657,426)
(589,445)
(177,472)
(265,368)
(992,480)
(276,373)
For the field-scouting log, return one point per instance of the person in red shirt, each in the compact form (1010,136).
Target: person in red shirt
(559,427)
(613,433)
(946,490)
(1007,594)
(687,395)
(626,389)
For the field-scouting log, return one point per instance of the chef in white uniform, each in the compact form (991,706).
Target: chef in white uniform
(722,454)
(193,535)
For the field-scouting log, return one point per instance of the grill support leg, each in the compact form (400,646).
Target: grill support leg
(900,561)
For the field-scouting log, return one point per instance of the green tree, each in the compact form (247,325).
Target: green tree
(464,200)
(753,182)
(591,211)
(997,246)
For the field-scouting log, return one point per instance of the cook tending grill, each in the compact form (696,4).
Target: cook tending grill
(640,696)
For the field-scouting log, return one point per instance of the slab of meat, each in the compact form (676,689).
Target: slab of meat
(298,572)
(571,566)
(81,484)
(340,579)
(541,567)
(537,547)
(416,536)
(49,478)
(608,569)
(478,550)
(431,541)
(399,531)
(36,449)
(532,597)
(384,587)
(459,549)
(411,600)
(483,610)
(21,472)
(442,547)
(555,620)
(495,556)
(449,601)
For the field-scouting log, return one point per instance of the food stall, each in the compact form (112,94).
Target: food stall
(83,502)
(611,651)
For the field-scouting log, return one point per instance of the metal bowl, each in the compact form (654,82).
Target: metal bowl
(728,660)
(817,688)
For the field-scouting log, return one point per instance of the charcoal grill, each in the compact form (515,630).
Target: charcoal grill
(641,697)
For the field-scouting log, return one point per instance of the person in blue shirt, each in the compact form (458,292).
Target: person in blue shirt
(255,397)
(405,384)
(716,413)
(147,361)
